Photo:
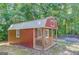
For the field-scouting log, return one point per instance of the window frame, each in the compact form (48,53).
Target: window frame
(51,32)
(37,31)
(18,33)
(46,34)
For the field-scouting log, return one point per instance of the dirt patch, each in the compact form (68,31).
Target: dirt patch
(60,48)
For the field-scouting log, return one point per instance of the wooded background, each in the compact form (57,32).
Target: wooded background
(67,16)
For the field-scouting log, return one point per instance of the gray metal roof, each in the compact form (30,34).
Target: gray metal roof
(29,24)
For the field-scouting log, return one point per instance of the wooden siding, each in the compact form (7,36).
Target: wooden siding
(26,37)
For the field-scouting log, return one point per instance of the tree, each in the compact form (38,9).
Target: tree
(66,14)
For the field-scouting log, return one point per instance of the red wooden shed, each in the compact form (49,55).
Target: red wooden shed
(36,34)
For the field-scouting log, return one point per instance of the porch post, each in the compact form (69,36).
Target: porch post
(34,38)
(43,41)
(56,33)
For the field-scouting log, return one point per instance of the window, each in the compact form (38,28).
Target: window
(50,32)
(38,32)
(46,33)
(18,33)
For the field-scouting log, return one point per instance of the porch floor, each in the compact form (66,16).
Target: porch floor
(41,48)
